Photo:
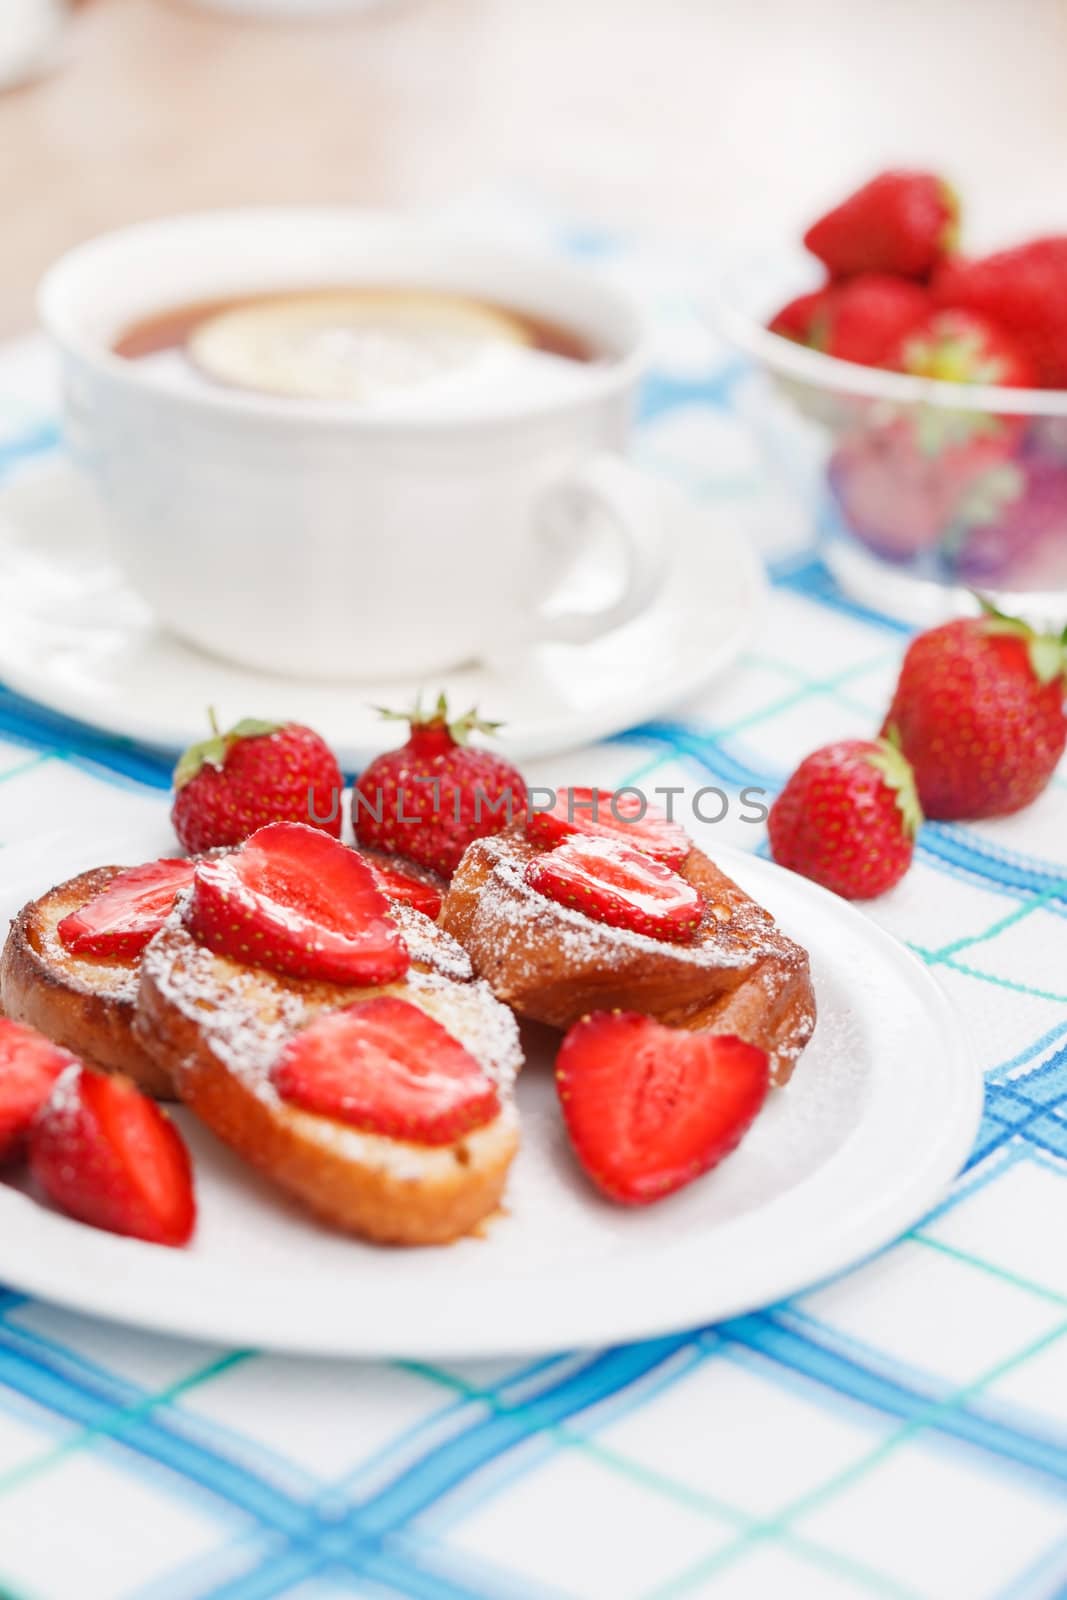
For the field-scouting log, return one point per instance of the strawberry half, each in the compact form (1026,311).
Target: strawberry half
(649,1108)
(612,883)
(105,1154)
(385,1067)
(119,922)
(29,1067)
(601,814)
(295,900)
(405,887)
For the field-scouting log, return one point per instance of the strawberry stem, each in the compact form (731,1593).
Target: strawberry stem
(459,730)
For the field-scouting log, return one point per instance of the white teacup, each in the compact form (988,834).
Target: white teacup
(339,541)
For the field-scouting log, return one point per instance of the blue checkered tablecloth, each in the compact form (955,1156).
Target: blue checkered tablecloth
(900,1432)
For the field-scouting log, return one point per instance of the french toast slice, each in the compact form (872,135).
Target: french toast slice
(553,964)
(85,1003)
(217,1028)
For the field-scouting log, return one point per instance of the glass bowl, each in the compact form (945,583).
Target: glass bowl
(924,491)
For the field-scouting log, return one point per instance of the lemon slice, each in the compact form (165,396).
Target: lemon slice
(356,345)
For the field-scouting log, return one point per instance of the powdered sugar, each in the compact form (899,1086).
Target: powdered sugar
(429,945)
(245,1014)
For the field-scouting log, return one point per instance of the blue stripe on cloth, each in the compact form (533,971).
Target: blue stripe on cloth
(40,440)
(661,392)
(612,1408)
(824,1361)
(807,574)
(104,755)
(439,1472)
(26,1368)
(961,852)
(74,1390)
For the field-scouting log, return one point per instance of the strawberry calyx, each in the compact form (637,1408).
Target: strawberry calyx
(1047,651)
(433,730)
(954,349)
(213,752)
(889,760)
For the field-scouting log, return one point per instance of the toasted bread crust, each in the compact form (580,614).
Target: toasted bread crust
(554,964)
(217,1027)
(83,1003)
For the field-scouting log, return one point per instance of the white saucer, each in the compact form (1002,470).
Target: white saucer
(878,1118)
(74,637)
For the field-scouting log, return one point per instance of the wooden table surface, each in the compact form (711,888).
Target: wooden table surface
(728,116)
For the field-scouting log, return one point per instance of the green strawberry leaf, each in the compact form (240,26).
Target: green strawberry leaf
(213,752)
(1047,657)
(1047,651)
(251,728)
(890,761)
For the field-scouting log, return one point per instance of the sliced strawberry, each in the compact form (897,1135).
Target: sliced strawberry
(386,1067)
(293,899)
(119,922)
(29,1067)
(104,1153)
(601,814)
(650,1108)
(395,884)
(612,883)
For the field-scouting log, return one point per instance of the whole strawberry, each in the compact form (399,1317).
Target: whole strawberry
(431,797)
(978,711)
(899,222)
(1023,290)
(847,818)
(258,772)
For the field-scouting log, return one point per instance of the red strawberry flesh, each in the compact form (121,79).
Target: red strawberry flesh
(602,814)
(396,884)
(649,1108)
(296,901)
(30,1064)
(386,1067)
(121,920)
(107,1155)
(623,887)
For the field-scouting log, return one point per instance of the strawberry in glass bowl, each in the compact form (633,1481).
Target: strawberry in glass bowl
(924,394)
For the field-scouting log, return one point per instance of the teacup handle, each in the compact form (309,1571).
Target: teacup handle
(628,499)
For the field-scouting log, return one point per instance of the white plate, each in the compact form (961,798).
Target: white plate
(881,1113)
(74,637)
